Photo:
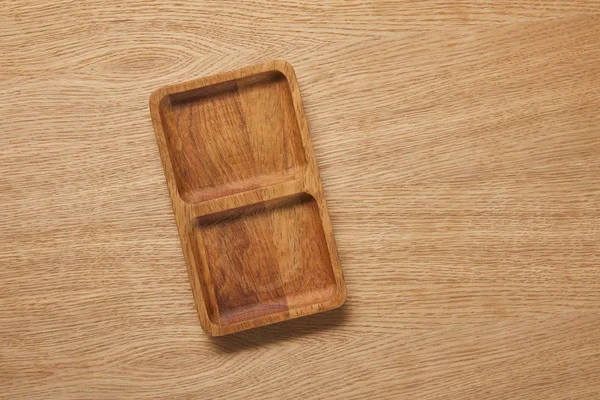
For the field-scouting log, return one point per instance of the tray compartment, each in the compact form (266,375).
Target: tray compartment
(263,259)
(233,136)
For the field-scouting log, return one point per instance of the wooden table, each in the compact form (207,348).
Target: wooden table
(459,148)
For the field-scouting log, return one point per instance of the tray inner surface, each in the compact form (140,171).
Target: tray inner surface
(262,259)
(233,136)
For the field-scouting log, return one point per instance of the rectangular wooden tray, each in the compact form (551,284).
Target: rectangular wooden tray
(247,198)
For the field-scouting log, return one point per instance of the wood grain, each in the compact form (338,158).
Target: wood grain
(247,198)
(458,144)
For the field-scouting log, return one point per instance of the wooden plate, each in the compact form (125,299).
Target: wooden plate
(247,198)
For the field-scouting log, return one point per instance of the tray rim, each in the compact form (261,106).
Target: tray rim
(185,212)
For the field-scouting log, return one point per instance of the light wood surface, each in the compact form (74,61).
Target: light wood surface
(247,197)
(459,148)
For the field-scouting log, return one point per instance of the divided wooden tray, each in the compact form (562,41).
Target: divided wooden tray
(247,198)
